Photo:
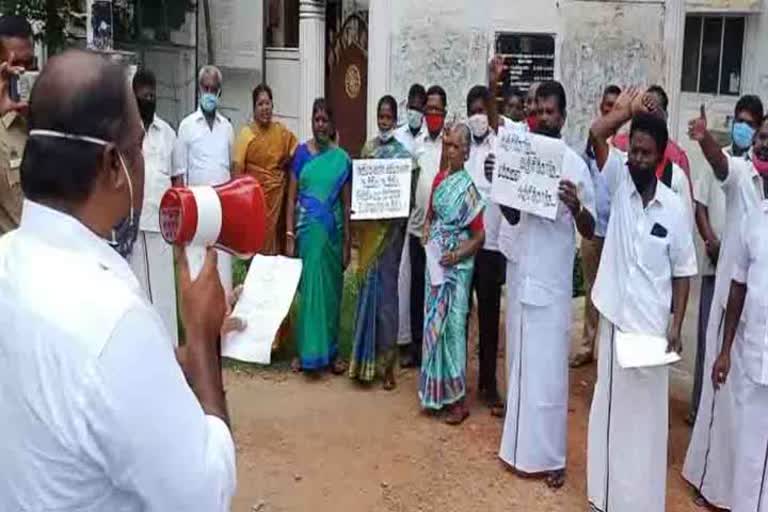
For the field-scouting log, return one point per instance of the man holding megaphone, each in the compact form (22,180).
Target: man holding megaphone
(90,377)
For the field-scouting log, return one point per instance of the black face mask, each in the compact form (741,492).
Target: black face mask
(641,177)
(146,110)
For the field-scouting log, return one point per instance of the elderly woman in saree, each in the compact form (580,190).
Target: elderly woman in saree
(381,246)
(454,232)
(318,231)
(264,150)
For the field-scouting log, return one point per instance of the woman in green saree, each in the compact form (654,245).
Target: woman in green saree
(318,232)
(454,232)
(381,246)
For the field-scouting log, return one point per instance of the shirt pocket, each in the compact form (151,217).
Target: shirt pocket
(654,256)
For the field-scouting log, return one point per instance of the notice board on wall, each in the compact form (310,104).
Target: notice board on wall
(528,58)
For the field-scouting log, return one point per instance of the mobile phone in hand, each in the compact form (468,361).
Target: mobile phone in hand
(13,88)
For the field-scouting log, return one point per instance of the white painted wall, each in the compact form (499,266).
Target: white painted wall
(282,71)
(449,42)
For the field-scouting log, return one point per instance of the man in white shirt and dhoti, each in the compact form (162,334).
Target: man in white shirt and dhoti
(709,463)
(647,261)
(539,310)
(747,307)
(97,411)
(152,258)
(203,155)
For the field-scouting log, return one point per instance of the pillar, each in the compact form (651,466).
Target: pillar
(379,45)
(674,28)
(311,60)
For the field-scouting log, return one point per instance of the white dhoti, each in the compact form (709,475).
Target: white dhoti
(628,430)
(536,422)
(152,262)
(404,296)
(709,462)
(196,258)
(750,477)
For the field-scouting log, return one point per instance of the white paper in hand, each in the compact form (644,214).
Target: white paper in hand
(436,270)
(642,350)
(264,303)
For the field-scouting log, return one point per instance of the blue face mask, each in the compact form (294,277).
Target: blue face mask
(742,135)
(209,101)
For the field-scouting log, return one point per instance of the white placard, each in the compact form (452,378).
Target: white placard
(381,188)
(264,303)
(642,350)
(527,173)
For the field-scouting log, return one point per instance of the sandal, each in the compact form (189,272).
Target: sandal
(457,414)
(338,367)
(555,479)
(295,365)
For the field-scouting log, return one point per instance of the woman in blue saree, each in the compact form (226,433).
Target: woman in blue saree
(381,246)
(318,231)
(453,234)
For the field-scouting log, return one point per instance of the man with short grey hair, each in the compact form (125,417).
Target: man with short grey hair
(203,154)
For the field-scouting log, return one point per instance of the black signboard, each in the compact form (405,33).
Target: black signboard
(528,58)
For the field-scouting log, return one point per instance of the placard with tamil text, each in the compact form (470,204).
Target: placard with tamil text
(527,172)
(381,188)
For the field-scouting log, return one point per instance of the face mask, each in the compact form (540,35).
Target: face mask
(146,110)
(386,135)
(532,122)
(125,233)
(742,135)
(415,118)
(761,166)
(434,122)
(641,177)
(478,123)
(209,101)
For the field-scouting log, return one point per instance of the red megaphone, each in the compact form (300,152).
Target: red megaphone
(230,216)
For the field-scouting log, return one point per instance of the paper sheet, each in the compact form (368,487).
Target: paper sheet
(266,298)
(436,270)
(642,350)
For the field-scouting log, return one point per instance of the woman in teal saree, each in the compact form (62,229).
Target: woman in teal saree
(320,189)
(381,246)
(453,233)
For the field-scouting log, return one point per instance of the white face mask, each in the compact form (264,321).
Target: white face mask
(386,135)
(126,231)
(478,123)
(415,118)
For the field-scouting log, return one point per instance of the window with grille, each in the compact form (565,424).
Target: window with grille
(713,48)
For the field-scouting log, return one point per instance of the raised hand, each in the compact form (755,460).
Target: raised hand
(495,68)
(697,128)
(626,101)
(6,103)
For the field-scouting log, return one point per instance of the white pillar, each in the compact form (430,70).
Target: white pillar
(379,45)
(674,28)
(312,60)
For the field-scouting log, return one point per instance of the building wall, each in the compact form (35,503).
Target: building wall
(449,42)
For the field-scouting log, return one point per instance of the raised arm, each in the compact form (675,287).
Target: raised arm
(697,130)
(605,126)
(495,69)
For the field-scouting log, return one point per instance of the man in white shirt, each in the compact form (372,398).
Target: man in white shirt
(97,413)
(412,133)
(428,159)
(710,220)
(490,264)
(584,352)
(203,155)
(648,259)
(152,258)
(709,463)
(539,311)
(747,305)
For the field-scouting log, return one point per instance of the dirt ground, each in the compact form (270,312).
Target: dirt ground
(331,445)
